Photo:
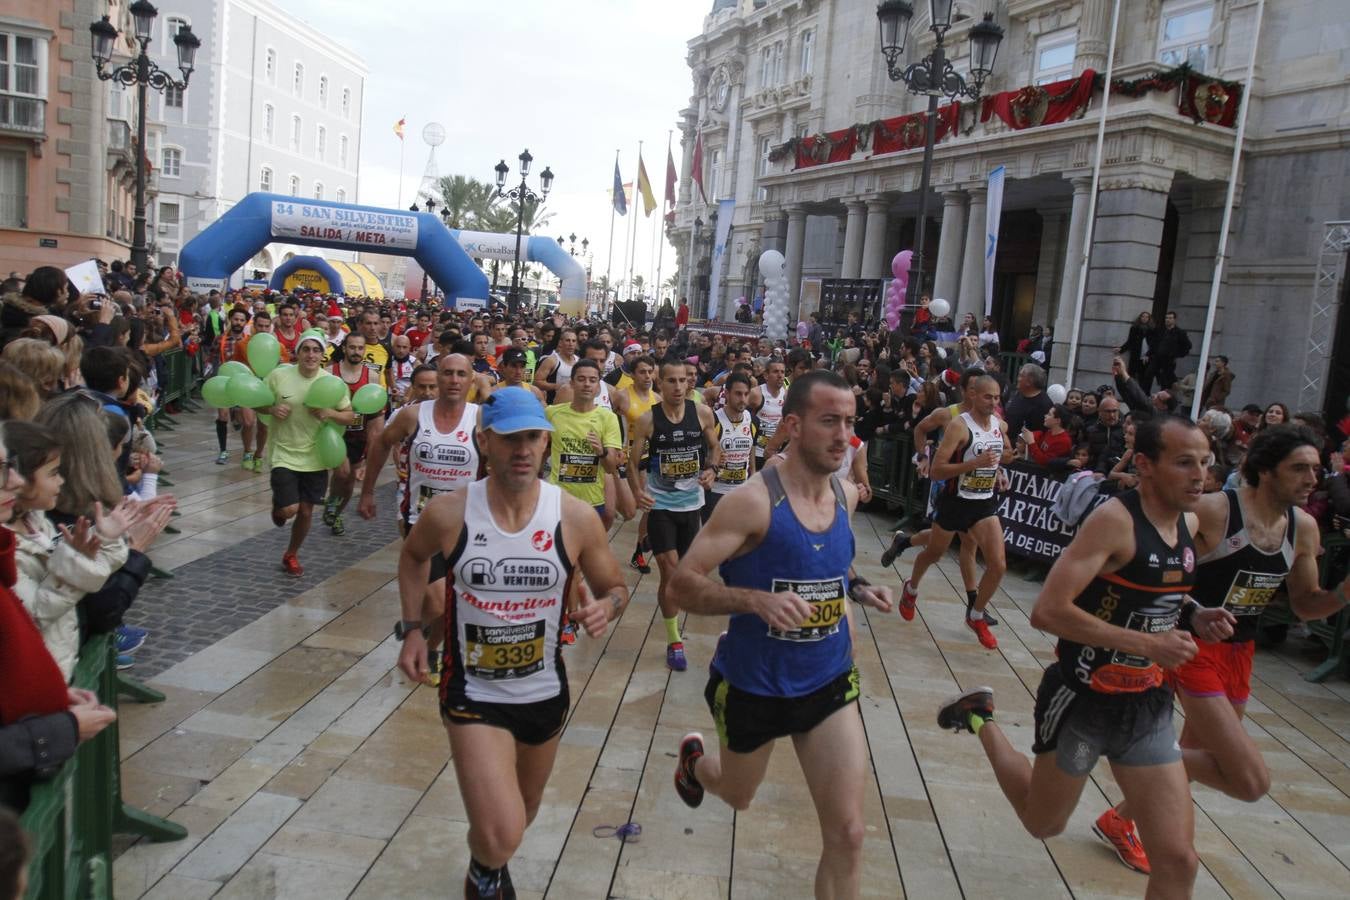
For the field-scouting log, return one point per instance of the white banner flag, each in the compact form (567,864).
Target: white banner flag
(993,212)
(724,210)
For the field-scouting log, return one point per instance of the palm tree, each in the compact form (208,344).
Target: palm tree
(468,200)
(638,284)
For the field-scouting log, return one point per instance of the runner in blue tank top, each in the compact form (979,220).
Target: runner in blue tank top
(785,668)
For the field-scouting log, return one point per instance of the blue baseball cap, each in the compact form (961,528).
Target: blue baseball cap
(513,409)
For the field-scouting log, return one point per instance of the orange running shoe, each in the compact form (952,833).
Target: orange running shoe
(1119,833)
(981,629)
(909,601)
(291,563)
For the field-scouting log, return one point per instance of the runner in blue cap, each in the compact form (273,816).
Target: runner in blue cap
(511,543)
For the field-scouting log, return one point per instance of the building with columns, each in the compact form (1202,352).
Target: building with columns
(799,126)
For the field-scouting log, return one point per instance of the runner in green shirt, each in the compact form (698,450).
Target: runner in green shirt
(586,439)
(299,479)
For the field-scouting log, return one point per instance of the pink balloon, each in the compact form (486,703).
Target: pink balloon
(901,263)
(803,330)
(892,319)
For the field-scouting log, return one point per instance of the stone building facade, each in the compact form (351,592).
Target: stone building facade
(768,71)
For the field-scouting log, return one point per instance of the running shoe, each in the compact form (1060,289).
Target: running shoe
(125,661)
(257,463)
(223,457)
(291,563)
(338,527)
(675,660)
(899,544)
(981,629)
(909,601)
(639,562)
(1118,832)
(502,889)
(329,511)
(128,643)
(247,463)
(434,658)
(686,785)
(134,630)
(988,613)
(954,715)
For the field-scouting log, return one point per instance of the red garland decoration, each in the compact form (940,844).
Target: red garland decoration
(908,132)
(830,147)
(1036,105)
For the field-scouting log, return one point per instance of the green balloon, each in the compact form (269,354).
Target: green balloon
(248,391)
(232,368)
(326,392)
(216,392)
(265,419)
(264,352)
(329,445)
(370,399)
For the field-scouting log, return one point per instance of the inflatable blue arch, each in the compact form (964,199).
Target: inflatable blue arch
(211,257)
(313,263)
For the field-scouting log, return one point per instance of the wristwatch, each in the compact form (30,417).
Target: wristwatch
(404,627)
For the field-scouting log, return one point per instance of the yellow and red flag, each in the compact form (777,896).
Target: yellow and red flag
(398,127)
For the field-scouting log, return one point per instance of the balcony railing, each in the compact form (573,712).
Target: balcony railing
(22,115)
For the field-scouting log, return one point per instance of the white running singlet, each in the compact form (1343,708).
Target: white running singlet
(978,484)
(504,602)
(439,463)
(770,414)
(738,443)
(563,373)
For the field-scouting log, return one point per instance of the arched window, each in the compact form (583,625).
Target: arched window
(346,102)
(342,151)
(318,190)
(295,185)
(270,66)
(269,122)
(265,179)
(295,134)
(298,85)
(172,25)
(342,195)
(323,91)
(321,142)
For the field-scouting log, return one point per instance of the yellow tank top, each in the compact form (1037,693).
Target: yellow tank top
(637,406)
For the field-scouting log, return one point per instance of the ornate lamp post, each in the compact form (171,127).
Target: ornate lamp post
(935,77)
(522,195)
(143,73)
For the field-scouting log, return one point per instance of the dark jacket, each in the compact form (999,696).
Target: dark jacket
(1106,444)
(1169,343)
(31,749)
(1026,412)
(1134,397)
(1217,387)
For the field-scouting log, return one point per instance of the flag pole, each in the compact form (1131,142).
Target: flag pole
(609,264)
(661,225)
(402,146)
(631,241)
(1221,252)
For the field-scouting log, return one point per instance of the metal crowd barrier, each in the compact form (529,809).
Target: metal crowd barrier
(894,477)
(177,384)
(72,817)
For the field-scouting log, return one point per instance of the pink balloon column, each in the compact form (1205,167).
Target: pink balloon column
(895,294)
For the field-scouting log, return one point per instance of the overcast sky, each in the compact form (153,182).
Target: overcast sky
(573,82)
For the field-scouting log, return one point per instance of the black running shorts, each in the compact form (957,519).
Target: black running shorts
(746,721)
(710,499)
(529,723)
(1080,727)
(290,487)
(668,530)
(956,514)
(356,446)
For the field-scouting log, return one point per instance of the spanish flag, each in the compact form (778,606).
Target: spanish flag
(645,188)
(398,127)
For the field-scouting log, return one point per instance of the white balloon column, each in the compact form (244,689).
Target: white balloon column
(895,294)
(771,265)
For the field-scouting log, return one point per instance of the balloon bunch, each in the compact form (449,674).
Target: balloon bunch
(236,384)
(895,294)
(771,265)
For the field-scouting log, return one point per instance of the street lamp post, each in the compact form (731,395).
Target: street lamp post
(935,77)
(143,73)
(522,195)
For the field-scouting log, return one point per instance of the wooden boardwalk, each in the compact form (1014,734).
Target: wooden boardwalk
(303,764)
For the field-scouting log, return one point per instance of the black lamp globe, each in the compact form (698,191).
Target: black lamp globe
(893,18)
(143,14)
(103,36)
(546,180)
(984,40)
(525,160)
(501,169)
(187,44)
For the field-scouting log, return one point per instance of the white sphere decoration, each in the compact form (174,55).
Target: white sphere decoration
(1057,393)
(940,308)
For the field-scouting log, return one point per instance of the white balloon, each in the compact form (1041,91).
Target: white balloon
(771,264)
(940,308)
(1057,393)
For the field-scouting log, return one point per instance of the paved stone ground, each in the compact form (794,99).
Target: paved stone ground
(215,596)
